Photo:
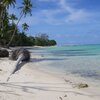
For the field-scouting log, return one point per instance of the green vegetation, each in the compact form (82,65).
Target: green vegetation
(43,40)
(9,31)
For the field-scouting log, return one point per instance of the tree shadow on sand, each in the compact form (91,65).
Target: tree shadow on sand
(30,87)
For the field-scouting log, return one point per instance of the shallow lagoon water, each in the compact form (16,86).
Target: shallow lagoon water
(82,60)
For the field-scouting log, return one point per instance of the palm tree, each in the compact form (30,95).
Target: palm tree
(13,17)
(26,8)
(25,27)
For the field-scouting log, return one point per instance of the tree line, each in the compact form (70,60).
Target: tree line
(10,35)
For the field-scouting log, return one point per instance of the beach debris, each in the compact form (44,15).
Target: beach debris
(82,85)
(78,85)
(68,81)
(60,98)
(4,53)
(15,54)
(0,69)
(65,95)
(20,55)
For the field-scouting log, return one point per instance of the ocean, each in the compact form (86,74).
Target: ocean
(79,60)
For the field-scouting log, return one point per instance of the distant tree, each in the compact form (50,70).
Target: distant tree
(43,36)
(31,40)
(41,39)
(52,42)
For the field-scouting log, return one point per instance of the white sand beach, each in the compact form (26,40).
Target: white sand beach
(31,83)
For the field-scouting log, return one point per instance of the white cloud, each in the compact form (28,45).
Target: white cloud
(65,6)
(78,16)
(51,16)
(44,16)
(75,15)
(72,15)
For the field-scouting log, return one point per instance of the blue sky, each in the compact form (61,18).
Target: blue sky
(66,21)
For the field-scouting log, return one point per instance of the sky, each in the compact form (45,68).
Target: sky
(66,21)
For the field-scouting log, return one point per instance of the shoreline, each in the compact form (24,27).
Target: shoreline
(30,82)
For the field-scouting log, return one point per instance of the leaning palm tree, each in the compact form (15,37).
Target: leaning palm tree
(26,8)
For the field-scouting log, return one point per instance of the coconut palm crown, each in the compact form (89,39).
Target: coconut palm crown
(26,7)
(25,27)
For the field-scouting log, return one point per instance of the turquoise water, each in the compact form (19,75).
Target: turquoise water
(83,60)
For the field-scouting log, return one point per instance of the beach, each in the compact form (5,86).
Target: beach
(49,50)
(33,83)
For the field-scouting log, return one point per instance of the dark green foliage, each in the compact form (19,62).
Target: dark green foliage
(43,40)
(52,42)
(21,39)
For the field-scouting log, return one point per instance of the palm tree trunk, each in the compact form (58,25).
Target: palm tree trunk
(14,31)
(2,19)
(1,14)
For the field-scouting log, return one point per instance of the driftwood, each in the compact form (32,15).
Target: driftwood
(15,54)
(4,53)
(21,56)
